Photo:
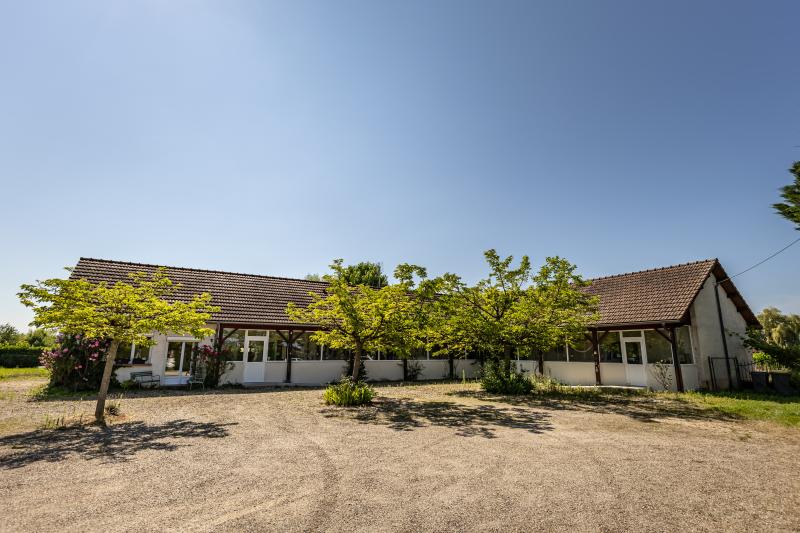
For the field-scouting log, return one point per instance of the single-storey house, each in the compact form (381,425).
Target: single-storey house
(692,309)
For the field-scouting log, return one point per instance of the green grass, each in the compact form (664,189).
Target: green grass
(23,373)
(781,409)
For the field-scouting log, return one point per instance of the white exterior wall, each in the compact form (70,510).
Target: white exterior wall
(706,337)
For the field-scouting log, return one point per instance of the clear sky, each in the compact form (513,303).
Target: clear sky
(271,138)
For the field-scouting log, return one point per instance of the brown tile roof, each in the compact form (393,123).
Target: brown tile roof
(243,298)
(646,297)
(659,295)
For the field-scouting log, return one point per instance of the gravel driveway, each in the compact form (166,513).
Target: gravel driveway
(427,457)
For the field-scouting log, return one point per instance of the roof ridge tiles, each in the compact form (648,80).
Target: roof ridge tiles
(658,269)
(212,271)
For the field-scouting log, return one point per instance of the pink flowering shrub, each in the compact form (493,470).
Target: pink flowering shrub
(76,363)
(215,363)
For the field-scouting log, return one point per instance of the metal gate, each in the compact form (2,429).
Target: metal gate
(719,375)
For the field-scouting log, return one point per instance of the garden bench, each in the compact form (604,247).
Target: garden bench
(145,377)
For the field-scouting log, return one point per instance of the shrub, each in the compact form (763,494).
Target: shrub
(22,356)
(412,369)
(213,362)
(495,379)
(76,363)
(546,384)
(348,392)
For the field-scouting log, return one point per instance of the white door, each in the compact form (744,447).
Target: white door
(254,360)
(633,357)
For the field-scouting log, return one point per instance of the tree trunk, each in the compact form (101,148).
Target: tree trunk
(111,356)
(356,362)
(451,366)
(405,368)
(540,355)
(507,359)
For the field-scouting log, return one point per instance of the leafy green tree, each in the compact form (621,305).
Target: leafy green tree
(39,337)
(780,329)
(513,308)
(122,312)
(790,208)
(313,277)
(364,273)
(359,317)
(9,334)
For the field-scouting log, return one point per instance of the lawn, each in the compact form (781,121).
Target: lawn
(22,373)
(781,409)
(423,457)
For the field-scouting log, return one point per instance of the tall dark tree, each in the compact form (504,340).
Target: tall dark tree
(364,273)
(790,207)
(9,334)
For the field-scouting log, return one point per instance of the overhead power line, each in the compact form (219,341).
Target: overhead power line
(763,260)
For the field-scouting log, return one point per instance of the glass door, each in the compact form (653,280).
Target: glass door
(633,357)
(254,358)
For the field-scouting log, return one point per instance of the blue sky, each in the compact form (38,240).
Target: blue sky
(273,137)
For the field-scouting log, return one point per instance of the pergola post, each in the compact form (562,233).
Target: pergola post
(289,350)
(596,353)
(673,341)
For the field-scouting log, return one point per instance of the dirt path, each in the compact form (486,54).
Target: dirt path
(435,457)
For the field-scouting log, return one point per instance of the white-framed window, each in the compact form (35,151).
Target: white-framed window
(179,356)
(131,354)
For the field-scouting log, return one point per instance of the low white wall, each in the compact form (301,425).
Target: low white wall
(571,373)
(384,370)
(316,372)
(466,368)
(613,374)
(689,373)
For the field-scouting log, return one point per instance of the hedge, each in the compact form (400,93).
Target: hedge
(20,356)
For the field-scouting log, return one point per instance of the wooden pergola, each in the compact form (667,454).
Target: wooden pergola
(289,333)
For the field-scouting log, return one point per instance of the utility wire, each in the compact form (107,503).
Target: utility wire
(762,261)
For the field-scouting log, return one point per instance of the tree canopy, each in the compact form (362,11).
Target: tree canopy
(363,273)
(358,317)
(121,312)
(513,308)
(790,207)
(9,334)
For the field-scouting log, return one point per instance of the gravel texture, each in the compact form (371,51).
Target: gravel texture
(423,458)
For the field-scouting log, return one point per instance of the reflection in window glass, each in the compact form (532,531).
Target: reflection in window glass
(179,357)
(233,346)
(419,353)
(141,355)
(305,349)
(659,349)
(255,351)
(581,352)
(276,350)
(684,345)
(256,333)
(526,353)
(610,348)
(124,352)
(335,354)
(136,355)
(632,334)
(633,351)
(558,353)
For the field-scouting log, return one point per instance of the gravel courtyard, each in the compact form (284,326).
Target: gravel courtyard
(424,457)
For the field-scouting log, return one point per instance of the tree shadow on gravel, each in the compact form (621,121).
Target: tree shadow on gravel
(641,407)
(466,420)
(118,442)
